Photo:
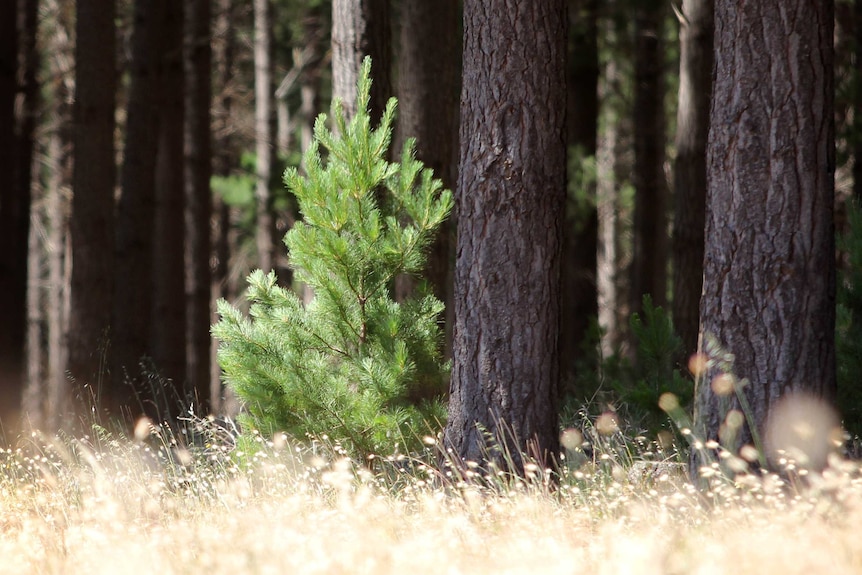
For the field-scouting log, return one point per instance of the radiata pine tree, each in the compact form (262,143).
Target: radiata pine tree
(352,364)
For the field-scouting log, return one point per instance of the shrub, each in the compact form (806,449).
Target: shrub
(352,364)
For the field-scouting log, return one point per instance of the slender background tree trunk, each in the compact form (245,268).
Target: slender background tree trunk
(361,28)
(428,88)
(14,220)
(264,134)
(692,127)
(168,341)
(198,171)
(132,319)
(649,233)
(580,232)
(93,180)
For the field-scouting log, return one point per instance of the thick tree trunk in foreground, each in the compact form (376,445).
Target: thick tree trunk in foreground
(92,223)
(510,200)
(692,126)
(769,270)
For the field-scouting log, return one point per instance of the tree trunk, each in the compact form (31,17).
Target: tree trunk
(92,223)
(33,414)
(580,231)
(225,158)
(692,127)
(132,317)
(649,233)
(857,102)
(264,135)
(198,198)
(361,28)
(769,268)
(428,87)
(608,151)
(19,62)
(14,219)
(510,199)
(168,328)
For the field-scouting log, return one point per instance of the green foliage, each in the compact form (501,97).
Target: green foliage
(352,364)
(849,323)
(635,387)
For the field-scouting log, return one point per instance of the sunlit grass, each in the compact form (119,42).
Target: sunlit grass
(100,504)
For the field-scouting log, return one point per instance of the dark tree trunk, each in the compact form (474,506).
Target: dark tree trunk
(649,233)
(510,200)
(857,102)
(428,88)
(579,302)
(769,268)
(224,160)
(92,223)
(198,171)
(692,126)
(132,317)
(168,341)
(14,217)
(361,28)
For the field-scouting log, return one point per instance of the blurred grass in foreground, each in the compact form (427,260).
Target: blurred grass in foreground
(101,504)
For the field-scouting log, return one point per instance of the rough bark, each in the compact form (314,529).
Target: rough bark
(168,342)
(649,232)
(92,223)
(692,126)
(132,317)
(198,171)
(511,193)
(769,267)
(428,88)
(580,232)
(361,28)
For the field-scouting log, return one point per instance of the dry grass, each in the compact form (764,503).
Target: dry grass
(101,505)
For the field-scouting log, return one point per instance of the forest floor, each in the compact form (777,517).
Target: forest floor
(108,505)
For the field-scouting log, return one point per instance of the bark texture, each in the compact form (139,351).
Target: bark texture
(649,231)
(361,28)
(769,269)
(510,199)
(198,196)
(692,127)
(92,223)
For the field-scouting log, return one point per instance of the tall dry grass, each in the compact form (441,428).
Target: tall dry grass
(101,504)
